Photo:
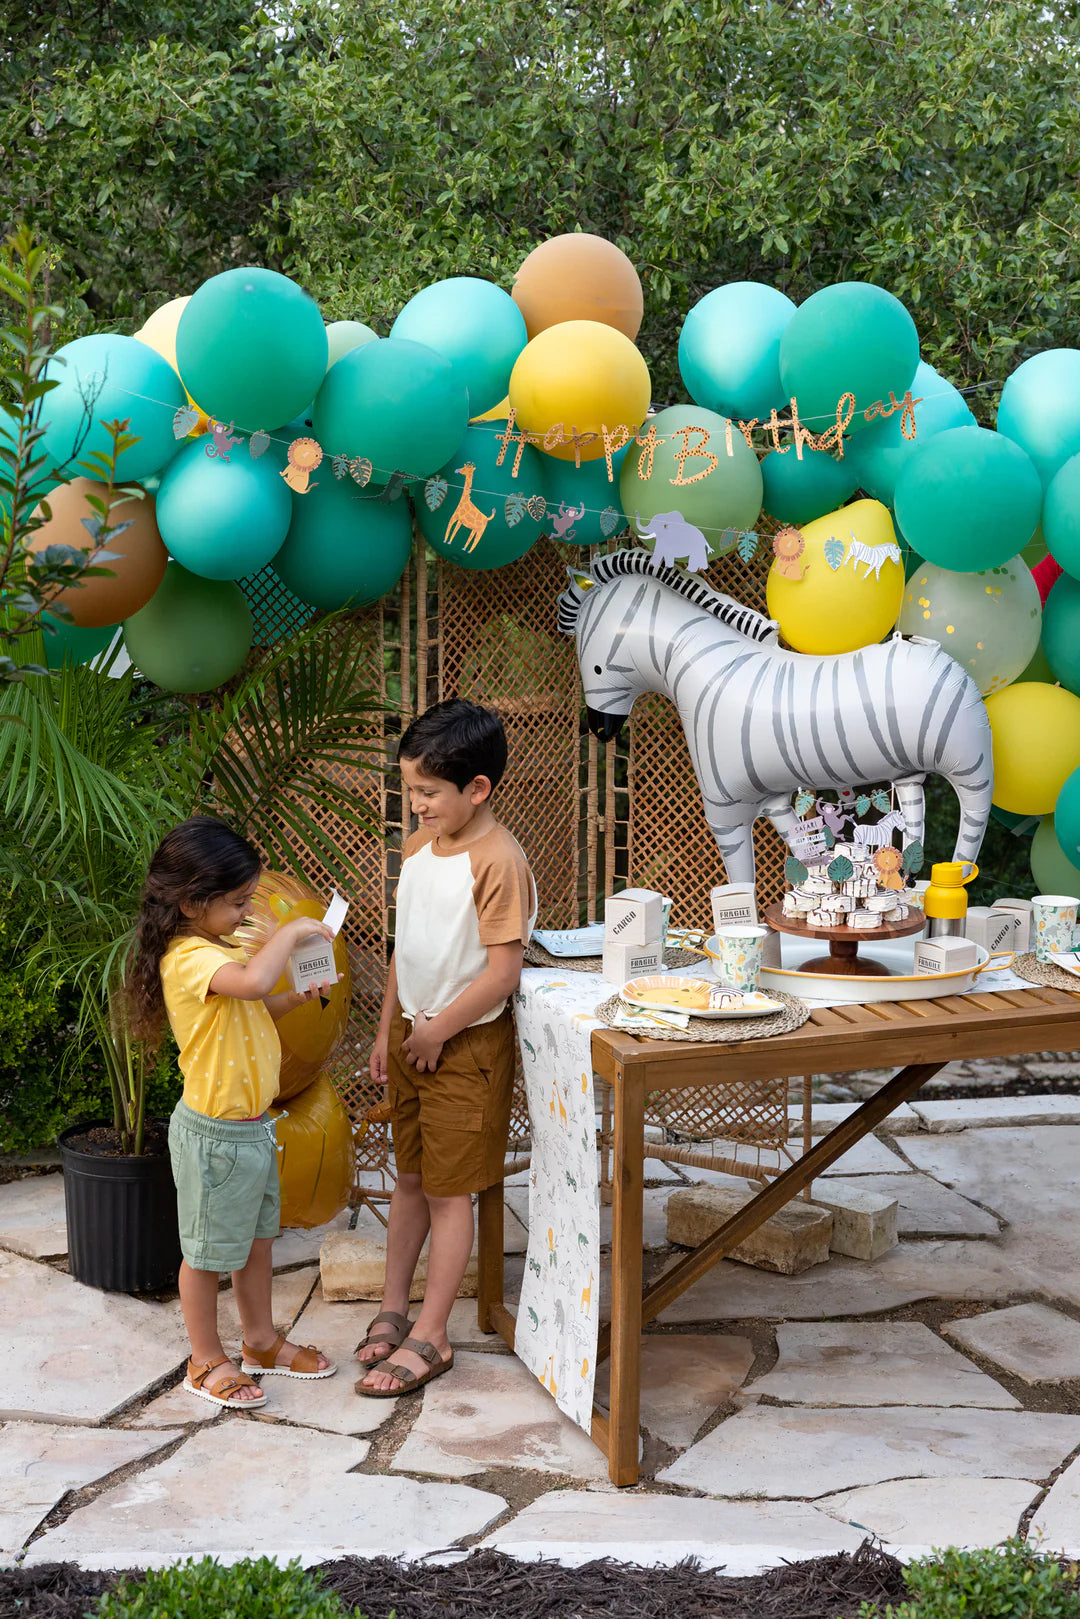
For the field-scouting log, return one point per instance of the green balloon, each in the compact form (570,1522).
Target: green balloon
(797,491)
(728,500)
(192,635)
(569,488)
(68,643)
(1061,632)
(223,518)
(396,403)
(849,338)
(344,547)
(1022,826)
(879,454)
(343,336)
(968,499)
(251,347)
(1038,670)
(1061,517)
(1053,871)
(507,529)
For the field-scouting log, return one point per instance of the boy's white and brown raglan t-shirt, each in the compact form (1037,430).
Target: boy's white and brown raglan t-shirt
(450,908)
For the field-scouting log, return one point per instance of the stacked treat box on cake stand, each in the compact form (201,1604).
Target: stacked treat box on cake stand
(863,900)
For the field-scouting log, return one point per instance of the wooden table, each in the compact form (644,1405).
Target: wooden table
(920,1037)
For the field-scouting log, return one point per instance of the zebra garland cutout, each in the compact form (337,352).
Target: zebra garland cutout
(761,721)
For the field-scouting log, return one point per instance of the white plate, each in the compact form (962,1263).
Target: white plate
(741,1003)
(571,943)
(1068,961)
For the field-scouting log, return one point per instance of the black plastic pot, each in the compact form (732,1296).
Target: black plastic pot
(121,1218)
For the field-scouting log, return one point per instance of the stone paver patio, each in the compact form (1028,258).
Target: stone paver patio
(931,1396)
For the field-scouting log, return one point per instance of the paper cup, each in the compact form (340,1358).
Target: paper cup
(738,955)
(1054,916)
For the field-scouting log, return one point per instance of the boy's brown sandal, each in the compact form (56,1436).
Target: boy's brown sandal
(396,1329)
(221,1391)
(409,1380)
(304,1364)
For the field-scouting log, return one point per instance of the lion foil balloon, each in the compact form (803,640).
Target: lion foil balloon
(312,1033)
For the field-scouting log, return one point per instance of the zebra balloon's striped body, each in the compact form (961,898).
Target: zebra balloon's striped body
(761,721)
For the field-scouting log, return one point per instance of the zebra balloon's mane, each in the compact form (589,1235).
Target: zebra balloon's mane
(626,563)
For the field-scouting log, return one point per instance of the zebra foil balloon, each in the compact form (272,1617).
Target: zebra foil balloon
(760,721)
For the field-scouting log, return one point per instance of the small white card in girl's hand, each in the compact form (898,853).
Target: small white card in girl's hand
(313,963)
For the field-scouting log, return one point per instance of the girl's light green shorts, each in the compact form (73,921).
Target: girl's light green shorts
(226,1175)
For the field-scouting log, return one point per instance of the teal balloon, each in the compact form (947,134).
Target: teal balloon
(849,338)
(968,499)
(251,347)
(121,379)
(720,505)
(68,643)
(505,529)
(344,547)
(1051,867)
(192,635)
(879,454)
(223,519)
(796,491)
(568,488)
(342,336)
(1040,409)
(729,349)
(1061,516)
(399,404)
(476,326)
(301,426)
(1061,632)
(1022,826)
(1067,820)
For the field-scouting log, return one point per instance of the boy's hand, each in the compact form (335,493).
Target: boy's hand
(378,1067)
(422,1049)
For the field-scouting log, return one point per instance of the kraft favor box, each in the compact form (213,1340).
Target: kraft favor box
(636,917)
(990,927)
(946,955)
(1021,909)
(624,961)
(732,904)
(313,962)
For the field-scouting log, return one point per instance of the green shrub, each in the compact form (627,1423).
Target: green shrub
(208,1590)
(1010,1581)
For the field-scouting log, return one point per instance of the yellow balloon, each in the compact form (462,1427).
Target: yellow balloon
(841,587)
(158,332)
(579,377)
(1036,730)
(315,1155)
(497,413)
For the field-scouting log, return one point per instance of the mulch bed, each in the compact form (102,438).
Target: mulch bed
(488,1585)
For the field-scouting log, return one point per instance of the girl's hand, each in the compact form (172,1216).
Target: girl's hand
(301,997)
(422,1049)
(304,927)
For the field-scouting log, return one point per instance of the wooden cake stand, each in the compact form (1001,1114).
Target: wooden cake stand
(844,942)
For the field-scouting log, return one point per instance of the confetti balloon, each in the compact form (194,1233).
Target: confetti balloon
(476,326)
(136,560)
(729,349)
(798,490)
(399,404)
(718,506)
(193,634)
(579,277)
(107,378)
(837,583)
(968,499)
(223,518)
(476,513)
(989,622)
(586,493)
(849,338)
(342,336)
(1040,409)
(344,547)
(251,347)
(1051,866)
(580,377)
(1036,731)
(878,455)
(1061,631)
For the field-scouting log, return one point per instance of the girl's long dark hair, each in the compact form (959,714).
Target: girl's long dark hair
(198,861)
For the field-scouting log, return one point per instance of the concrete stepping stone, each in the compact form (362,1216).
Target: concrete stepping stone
(174,1409)
(1038,1344)
(684,1377)
(875,1363)
(1056,1524)
(71,1354)
(39,1464)
(742,1537)
(331,1403)
(770,1452)
(246,1488)
(971,1112)
(915,1515)
(925,1208)
(492,1412)
(32,1220)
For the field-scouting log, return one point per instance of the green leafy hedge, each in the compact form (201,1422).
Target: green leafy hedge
(207,1590)
(1010,1581)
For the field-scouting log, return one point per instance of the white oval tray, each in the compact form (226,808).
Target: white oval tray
(902,984)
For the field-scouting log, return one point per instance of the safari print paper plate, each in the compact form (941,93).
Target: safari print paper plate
(663,992)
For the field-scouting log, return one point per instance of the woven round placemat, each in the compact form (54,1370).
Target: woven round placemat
(723,1031)
(1044,972)
(537,956)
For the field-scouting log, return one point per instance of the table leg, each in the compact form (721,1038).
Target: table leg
(807,1123)
(626,1252)
(489,1256)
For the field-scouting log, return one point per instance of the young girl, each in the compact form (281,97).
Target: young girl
(224,1157)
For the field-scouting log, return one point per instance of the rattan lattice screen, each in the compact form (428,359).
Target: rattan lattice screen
(589,818)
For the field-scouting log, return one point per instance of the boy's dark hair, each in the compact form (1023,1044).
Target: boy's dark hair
(456,741)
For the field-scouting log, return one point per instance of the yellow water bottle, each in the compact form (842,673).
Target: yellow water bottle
(945,898)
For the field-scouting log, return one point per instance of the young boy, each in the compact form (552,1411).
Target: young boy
(466,904)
